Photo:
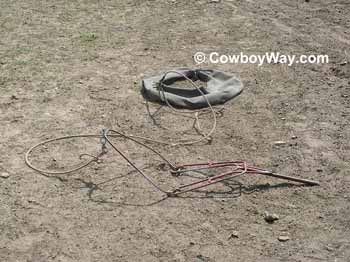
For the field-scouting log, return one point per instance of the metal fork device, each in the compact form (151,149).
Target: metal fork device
(234,169)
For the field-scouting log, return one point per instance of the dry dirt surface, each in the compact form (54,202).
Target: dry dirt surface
(72,67)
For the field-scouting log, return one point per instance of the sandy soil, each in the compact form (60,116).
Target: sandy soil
(70,67)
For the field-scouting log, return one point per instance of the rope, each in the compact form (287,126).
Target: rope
(132,164)
(238,168)
(105,138)
(57,139)
(212,130)
(162,94)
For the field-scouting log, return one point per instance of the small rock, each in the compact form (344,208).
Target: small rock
(330,249)
(30,200)
(294,137)
(234,234)
(279,143)
(4,175)
(283,238)
(202,258)
(215,1)
(270,218)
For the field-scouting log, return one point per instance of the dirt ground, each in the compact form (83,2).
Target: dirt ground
(72,67)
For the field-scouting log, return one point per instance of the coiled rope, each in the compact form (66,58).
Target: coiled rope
(105,138)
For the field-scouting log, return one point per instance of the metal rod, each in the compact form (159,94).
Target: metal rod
(179,191)
(179,171)
(291,178)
